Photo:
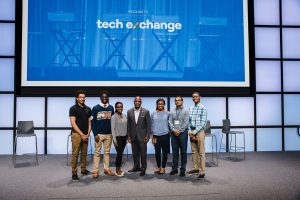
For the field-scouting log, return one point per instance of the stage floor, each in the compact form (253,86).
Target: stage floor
(263,175)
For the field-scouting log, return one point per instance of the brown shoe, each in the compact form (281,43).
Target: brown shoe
(157,170)
(108,172)
(95,175)
(162,171)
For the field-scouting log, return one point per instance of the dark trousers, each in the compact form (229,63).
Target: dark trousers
(179,143)
(121,142)
(139,153)
(162,145)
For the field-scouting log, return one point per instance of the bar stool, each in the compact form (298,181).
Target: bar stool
(226,130)
(207,131)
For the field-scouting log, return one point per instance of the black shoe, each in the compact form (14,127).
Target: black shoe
(193,171)
(75,178)
(143,173)
(201,176)
(135,169)
(173,172)
(86,172)
(182,173)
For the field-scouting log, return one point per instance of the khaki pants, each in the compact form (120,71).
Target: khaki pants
(106,140)
(198,152)
(77,145)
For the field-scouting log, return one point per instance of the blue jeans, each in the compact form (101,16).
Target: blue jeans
(179,143)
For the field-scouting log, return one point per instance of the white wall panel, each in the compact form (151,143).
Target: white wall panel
(291,80)
(8,101)
(269,139)
(241,111)
(261,17)
(291,42)
(292,139)
(57,141)
(292,109)
(268,109)
(290,12)
(267,43)
(7,74)
(31,108)
(6,144)
(7,9)
(268,77)
(7,35)
(58,111)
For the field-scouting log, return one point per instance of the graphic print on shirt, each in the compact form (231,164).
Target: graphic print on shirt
(103,115)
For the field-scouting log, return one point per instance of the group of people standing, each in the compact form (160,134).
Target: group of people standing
(109,125)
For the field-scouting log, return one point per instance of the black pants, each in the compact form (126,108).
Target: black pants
(139,153)
(162,144)
(179,142)
(121,141)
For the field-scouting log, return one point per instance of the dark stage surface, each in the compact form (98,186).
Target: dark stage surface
(263,175)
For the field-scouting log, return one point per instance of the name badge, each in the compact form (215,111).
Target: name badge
(176,122)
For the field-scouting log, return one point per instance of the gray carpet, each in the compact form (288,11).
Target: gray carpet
(263,175)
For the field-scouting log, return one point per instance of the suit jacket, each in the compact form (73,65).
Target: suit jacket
(138,131)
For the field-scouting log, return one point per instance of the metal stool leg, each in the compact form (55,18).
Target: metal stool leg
(36,151)
(15,151)
(91,154)
(244,146)
(230,144)
(235,146)
(68,149)
(216,149)
(220,146)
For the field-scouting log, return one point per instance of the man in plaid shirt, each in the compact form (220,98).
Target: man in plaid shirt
(198,118)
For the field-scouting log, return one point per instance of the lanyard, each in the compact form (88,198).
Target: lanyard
(178,113)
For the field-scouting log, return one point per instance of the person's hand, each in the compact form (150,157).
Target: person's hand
(146,139)
(193,137)
(96,138)
(176,133)
(84,137)
(115,143)
(153,140)
(129,140)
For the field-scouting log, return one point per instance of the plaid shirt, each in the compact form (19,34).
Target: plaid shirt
(198,118)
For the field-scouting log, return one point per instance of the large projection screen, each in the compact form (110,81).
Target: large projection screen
(129,44)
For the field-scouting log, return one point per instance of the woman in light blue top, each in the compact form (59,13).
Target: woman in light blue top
(161,136)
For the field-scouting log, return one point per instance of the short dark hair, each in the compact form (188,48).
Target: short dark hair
(179,97)
(118,102)
(104,92)
(196,93)
(78,92)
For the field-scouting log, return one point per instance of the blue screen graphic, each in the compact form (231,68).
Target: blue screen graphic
(136,40)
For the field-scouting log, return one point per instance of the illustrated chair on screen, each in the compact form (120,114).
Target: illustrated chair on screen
(207,131)
(68,141)
(226,131)
(25,129)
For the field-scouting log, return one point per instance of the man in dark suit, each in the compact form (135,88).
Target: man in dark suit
(138,129)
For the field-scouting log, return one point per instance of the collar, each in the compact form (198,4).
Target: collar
(80,106)
(137,109)
(104,105)
(180,108)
